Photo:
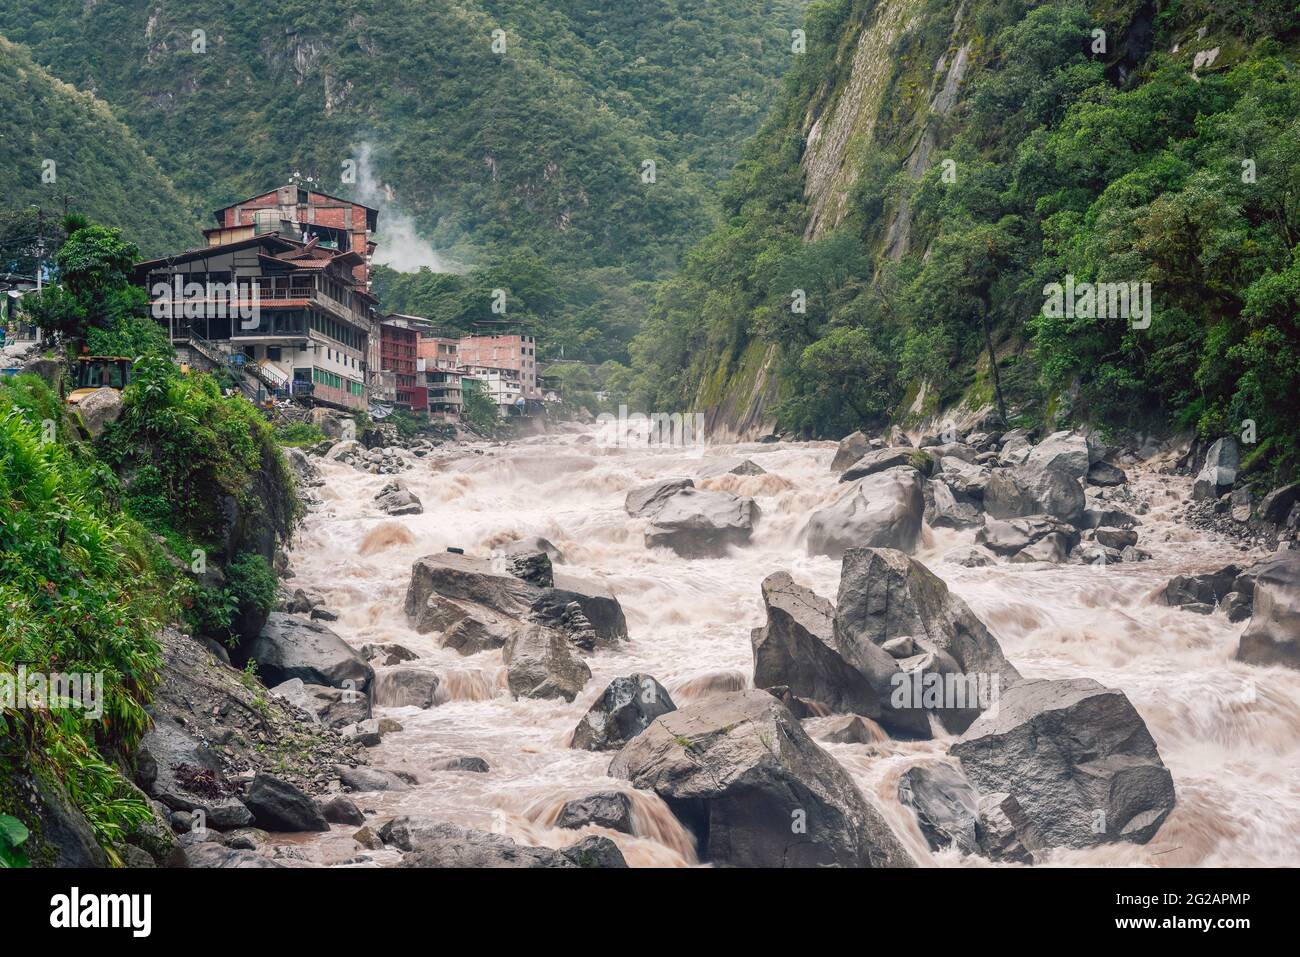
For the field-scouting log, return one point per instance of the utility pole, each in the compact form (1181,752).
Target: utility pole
(40,247)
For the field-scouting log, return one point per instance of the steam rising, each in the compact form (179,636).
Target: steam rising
(400,245)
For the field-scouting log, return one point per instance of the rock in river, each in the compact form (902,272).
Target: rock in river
(293,647)
(625,709)
(884,595)
(1078,760)
(796,649)
(698,524)
(945,804)
(741,773)
(882,510)
(1273,635)
(279,806)
(540,664)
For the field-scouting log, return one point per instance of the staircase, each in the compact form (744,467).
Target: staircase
(217,358)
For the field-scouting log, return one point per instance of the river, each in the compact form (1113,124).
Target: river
(1228,732)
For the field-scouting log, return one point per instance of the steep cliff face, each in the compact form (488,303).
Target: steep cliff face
(739,407)
(934,165)
(840,127)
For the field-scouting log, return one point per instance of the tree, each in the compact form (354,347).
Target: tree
(478,409)
(94,291)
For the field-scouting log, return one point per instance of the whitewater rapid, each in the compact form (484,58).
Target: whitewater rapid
(1228,732)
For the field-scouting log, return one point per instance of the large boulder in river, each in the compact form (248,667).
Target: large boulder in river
(945,804)
(1016,534)
(1021,491)
(1206,589)
(744,777)
(294,647)
(405,686)
(795,650)
(540,664)
(625,709)
(1063,451)
(608,809)
(593,596)
(1273,635)
(882,510)
(430,843)
(884,595)
(464,579)
(698,524)
(1078,760)
(851,448)
(467,628)
(888,458)
(396,499)
(1219,472)
(645,500)
(942,510)
(478,606)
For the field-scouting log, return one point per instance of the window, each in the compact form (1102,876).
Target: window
(273,353)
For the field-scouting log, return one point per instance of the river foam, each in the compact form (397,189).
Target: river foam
(1228,732)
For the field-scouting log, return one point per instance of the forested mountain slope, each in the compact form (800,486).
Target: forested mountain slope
(933,165)
(60,145)
(538,144)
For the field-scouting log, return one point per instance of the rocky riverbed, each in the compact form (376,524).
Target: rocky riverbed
(582,656)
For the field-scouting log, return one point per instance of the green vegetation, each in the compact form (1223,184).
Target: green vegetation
(13,835)
(529,157)
(93,293)
(103,544)
(100,167)
(1056,162)
(129,336)
(591,314)
(479,410)
(83,591)
(298,434)
(188,451)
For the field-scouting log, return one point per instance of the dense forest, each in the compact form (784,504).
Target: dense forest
(1169,155)
(63,149)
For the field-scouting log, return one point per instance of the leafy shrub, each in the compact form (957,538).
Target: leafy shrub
(296,434)
(81,594)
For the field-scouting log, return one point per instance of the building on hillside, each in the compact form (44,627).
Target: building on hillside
(513,357)
(297,212)
(446,395)
(399,337)
(439,349)
(293,315)
(502,386)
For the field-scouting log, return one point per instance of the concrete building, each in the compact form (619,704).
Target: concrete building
(446,392)
(296,212)
(399,338)
(280,292)
(290,315)
(440,350)
(504,354)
